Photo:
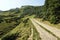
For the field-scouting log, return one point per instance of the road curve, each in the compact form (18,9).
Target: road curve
(43,33)
(54,30)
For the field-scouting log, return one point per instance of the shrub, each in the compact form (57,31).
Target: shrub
(11,37)
(53,19)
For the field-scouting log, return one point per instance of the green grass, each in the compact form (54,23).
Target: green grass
(24,31)
(6,27)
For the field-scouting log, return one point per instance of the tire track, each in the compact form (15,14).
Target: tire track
(31,36)
(43,33)
(54,30)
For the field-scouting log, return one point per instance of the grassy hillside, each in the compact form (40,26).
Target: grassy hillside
(22,31)
(15,23)
(8,21)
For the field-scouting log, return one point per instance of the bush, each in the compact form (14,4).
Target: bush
(53,19)
(11,37)
(26,20)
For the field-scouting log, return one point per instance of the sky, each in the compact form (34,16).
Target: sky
(9,4)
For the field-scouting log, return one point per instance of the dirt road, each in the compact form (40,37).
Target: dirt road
(54,30)
(43,33)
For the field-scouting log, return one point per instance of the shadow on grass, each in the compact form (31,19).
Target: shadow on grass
(11,37)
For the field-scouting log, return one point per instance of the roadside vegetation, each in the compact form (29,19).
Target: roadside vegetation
(16,23)
(22,31)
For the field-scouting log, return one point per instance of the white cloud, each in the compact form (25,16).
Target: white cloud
(8,4)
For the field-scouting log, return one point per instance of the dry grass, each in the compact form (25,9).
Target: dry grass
(48,23)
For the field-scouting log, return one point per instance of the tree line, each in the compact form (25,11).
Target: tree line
(50,11)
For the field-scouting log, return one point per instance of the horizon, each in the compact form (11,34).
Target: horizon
(10,4)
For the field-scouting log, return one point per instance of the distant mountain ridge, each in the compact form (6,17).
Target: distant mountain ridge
(0,10)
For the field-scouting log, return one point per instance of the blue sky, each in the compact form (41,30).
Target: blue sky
(9,4)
